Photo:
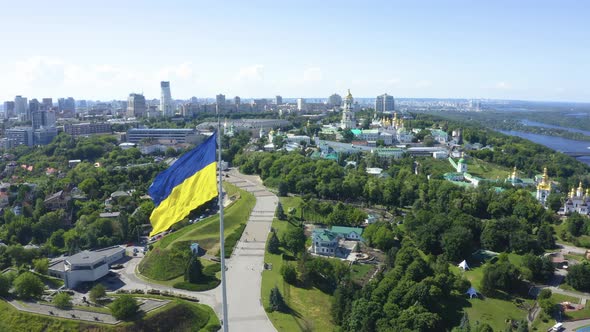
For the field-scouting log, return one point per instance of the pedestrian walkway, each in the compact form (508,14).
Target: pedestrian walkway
(146,305)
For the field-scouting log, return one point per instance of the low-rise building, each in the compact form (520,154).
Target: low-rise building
(56,201)
(85,266)
(348,233)
(324,242)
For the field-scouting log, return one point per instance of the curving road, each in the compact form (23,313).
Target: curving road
(244,268)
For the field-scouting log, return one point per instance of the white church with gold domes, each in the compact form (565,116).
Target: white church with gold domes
(577,200)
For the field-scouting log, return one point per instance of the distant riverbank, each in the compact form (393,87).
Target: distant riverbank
(556,143)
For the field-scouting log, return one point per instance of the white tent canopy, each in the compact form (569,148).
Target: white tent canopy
(472,292)
(464,265)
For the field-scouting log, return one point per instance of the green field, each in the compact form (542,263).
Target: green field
(310,307)
(493,311)
(487,170)
(165,262)
(359,272)
(187,316)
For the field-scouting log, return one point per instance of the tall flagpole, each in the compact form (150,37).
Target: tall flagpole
(225,320)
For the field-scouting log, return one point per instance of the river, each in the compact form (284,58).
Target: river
(528,122)
(555,143)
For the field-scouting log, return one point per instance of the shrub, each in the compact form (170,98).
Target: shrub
(194,270)
(210,284)
(41,265)
(544,294)
(5,284)
(62,301)
(124,307)
(273,244)
(97,292)
(289,273)
(277,303)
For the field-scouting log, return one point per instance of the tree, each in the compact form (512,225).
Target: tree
(97,292)
(124,307)
(283,189)
(273,244)
(294,240)
(28,285)
(194,270)
(575,224)
(578,276)
(347,136)
(541,268)
(5,285)
(289,273)
(501,275)
(41,265)
(62,300)
(277,303)
(280,212)
(545,293)
(456,243)
(548,306)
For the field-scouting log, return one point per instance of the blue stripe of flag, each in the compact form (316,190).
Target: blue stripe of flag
(186,166)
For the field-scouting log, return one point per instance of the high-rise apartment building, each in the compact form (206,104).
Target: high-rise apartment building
(8,109)
(384,103)
(301,105)
(166,104)
(43,119)
(220,100)
(34,105)
(136,106)
(278,100)
(47,104)
(66,105)
(20,106)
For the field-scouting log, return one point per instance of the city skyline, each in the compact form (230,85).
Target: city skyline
(528,50)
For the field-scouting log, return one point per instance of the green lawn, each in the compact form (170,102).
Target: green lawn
(310,308)
(580,314)
(185,315)
(558,298)
(487,170)
(290,202)
(494,312)
(165,264)
(359,272)
(491,310)
(208,266)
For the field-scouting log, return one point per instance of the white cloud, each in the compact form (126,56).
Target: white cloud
(393,81)
(312,74)
(503,85)
(183,71)
(251,73)
(424,84)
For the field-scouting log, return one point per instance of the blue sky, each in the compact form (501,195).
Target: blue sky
(533,50)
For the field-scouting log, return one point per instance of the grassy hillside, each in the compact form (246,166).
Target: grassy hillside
(165,261)
(186,316)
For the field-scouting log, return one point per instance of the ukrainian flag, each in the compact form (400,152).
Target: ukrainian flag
(184,186)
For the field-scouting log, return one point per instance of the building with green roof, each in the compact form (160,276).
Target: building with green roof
(348,233)
(324,242)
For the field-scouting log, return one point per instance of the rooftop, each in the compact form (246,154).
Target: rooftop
(346,230)
(90,257)
(324,235)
